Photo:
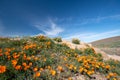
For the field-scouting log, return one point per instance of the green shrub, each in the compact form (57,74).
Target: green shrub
(76,41)
(4,39)
(57,39)
(89,51)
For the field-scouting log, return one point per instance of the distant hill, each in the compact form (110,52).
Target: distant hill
(112,42)
(109,45)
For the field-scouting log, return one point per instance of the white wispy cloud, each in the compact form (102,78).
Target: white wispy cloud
(50,28)
(84,21)
(89,37)
(99,19)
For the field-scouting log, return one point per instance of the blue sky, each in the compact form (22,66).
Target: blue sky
(88,20)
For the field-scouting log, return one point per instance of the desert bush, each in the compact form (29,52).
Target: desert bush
(57,39)
(89,51)
(4,39)
(76,41)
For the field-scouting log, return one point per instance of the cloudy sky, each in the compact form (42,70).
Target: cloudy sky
(88,20)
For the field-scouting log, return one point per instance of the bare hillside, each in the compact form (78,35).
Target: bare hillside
(113,42)
(109,45)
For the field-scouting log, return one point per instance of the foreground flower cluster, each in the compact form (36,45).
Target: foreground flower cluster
(39,58)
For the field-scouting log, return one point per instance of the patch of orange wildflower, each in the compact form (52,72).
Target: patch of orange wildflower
(2,69)
(35,69)
(18,67)
(53,72)
(14,62)
(37,74)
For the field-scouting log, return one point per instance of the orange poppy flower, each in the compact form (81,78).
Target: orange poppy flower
(7,53)
(24,64)
(35,69)
(14,62)
(2,69)
(53,72)
(18,67)
(41,69)
(37,74)
(30,64)
(28,58)
(60,68)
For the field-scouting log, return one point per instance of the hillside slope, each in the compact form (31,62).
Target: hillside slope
(109,45)
(42,58)
(113,42)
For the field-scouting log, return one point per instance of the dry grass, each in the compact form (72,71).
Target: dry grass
(112,51)
(113,42)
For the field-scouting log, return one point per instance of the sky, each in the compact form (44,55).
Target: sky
(87,20)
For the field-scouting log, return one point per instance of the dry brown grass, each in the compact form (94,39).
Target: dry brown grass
(113,42)
(112,51)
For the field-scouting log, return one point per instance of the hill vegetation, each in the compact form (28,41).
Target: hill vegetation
(41,58)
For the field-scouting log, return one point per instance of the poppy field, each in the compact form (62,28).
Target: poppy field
(41,58)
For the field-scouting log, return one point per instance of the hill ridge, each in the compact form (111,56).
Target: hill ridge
(107,42)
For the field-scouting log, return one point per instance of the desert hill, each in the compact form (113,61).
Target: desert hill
(112,42)
(109,45)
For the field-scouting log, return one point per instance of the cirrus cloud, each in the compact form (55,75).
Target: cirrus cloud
(50,28)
